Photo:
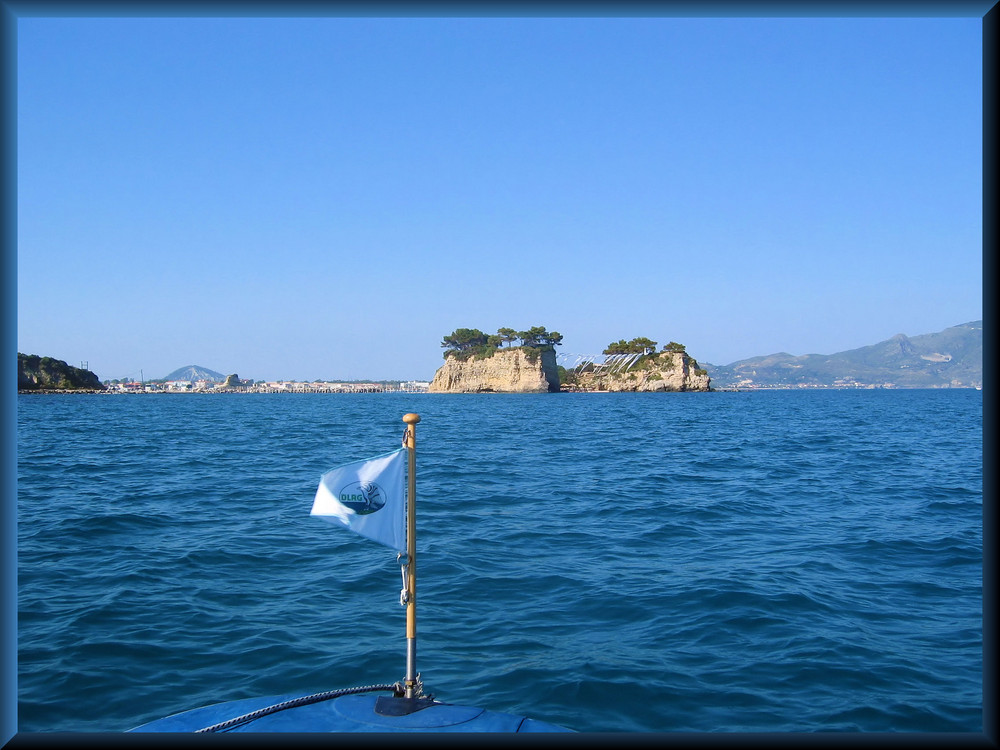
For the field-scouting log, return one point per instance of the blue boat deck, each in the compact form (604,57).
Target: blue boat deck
(350,713)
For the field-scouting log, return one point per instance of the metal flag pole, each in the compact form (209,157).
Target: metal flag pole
(412,685)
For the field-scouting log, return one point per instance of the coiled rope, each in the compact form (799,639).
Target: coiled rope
(303,701)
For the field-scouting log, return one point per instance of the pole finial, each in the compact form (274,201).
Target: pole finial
(411,418)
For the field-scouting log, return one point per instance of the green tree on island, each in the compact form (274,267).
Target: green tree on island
(507,335)
(538,336)
(635,346)
(464,343)
(464,338)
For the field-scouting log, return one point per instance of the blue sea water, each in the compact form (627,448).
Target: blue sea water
(782,561)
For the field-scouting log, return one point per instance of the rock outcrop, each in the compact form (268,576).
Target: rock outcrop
(666,371)
(36,373)
(514,370)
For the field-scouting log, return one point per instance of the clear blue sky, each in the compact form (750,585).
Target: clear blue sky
(327,198)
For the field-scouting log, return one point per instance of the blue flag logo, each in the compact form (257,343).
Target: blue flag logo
(363,497)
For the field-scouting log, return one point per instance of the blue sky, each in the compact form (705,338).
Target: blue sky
(327,198)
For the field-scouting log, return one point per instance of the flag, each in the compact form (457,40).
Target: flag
(368,497)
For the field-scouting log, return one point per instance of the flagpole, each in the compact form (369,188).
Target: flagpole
(411,684)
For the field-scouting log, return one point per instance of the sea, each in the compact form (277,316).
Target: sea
(724,562)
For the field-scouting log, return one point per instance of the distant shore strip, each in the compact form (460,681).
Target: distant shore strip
(332,388)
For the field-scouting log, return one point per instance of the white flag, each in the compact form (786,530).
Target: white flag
(368,497)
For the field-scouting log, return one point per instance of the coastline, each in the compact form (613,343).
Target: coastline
(257,391)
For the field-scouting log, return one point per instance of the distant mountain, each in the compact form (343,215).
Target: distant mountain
(952,358)
(194,372)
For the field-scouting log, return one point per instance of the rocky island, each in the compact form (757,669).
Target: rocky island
(640,368)
(479,363)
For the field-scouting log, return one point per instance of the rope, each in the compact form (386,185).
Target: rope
(303,701)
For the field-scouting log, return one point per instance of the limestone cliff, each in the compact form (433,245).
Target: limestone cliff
(666,371)
(514,370)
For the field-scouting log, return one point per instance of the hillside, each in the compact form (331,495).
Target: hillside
(952,358)
(35,373)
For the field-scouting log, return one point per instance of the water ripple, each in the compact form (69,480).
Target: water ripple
(640,562)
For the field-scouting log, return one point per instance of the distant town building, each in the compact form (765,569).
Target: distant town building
(414,386)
